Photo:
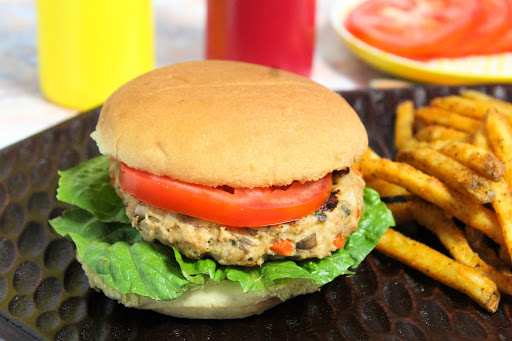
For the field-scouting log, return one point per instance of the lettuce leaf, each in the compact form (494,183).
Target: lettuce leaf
(88,186)
(108,244)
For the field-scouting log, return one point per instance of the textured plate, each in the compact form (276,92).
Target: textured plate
(44,293)
(479,69)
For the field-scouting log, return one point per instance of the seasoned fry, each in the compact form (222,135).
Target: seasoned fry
(476,240)
(438,193)
(503,207)
(499,135)
(434,219)
(404,123)
(479,160)
(504,256)
(368,155)
(436,265)
(459,159)
(433,115)
(386,189)
(414,143)
(480,138)
(402,211)
(463,106)
(436,132)
(418,125)
(505,107)
(450,171)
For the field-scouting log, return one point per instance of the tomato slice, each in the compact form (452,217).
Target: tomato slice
(240,207)
(503,43)
(494,22)
(414,28)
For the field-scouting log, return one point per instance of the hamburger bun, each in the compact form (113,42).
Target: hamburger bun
(230,123)
(225,123)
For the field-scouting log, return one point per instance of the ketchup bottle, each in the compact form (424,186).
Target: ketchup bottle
(276,33)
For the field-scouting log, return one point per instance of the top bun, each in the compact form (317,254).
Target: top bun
(230,123)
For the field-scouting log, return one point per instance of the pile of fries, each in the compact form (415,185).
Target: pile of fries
(454,160)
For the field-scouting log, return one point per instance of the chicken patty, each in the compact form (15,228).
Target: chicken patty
(312,236)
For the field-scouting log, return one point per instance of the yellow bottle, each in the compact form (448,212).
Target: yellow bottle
(88,48)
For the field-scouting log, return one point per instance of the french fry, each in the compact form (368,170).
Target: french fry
(450,171)
(434,219)
(464,143)
(504,256)
(480,138)
(503,207)
(386,189)
(414,143)
(440,267)
(503,106)
(438,193)
(357,166)
(434,115)
(404,123)
(476,239)
(479,160)
(418,125)
(368,156)
(463,106)
(455,242)
(402,211)
(499,135)
(436,132)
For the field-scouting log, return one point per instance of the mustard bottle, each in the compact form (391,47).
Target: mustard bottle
(88,48)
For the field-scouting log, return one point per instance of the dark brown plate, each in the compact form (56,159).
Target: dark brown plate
(44,293)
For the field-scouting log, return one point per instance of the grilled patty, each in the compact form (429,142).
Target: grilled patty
(312,236)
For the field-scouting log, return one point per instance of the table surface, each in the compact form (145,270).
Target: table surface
(179,36)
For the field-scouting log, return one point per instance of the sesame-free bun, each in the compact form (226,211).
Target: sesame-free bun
(230,123)
(223,300)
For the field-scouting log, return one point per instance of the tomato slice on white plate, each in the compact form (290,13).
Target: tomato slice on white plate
(229,206)
(494,21)
(503,42)
(414,29)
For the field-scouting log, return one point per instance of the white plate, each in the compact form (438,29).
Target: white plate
(476,69)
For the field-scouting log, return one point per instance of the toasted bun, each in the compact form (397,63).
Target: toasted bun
(224,300)
(230,123)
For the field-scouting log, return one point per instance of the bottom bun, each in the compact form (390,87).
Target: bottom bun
(224,300)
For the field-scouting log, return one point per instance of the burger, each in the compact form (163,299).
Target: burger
(224,189)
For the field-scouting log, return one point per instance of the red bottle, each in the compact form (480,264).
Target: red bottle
(276,33)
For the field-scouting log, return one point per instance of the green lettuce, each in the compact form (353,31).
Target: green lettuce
(88,186)
(107,243)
